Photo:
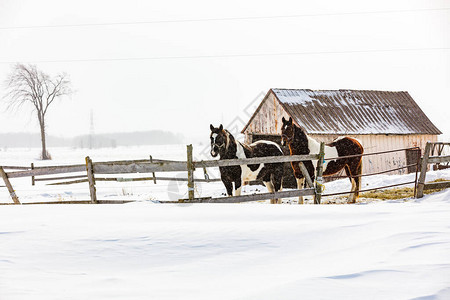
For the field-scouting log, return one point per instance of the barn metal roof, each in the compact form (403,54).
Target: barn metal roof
(355,112)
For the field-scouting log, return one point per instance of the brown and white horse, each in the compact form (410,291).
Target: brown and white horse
(224,145)
(301,144)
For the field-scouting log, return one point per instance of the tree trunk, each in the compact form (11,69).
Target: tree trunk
(44,154)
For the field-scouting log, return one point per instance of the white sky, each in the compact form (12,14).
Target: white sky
(187,94)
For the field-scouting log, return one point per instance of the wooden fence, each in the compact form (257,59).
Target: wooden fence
(93,169)
(152,166)
(428,159)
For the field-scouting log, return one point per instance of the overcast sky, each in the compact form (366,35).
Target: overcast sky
(181,65)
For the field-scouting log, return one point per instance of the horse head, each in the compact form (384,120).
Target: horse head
(287,131)
(219,140)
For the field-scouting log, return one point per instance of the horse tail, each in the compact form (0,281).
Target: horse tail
(358,179)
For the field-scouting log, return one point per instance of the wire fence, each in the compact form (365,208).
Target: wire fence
(376,173)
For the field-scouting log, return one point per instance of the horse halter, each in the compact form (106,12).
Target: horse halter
(220,146)
(224,144)
(288,139)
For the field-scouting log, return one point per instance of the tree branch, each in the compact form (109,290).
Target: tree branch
(28,84)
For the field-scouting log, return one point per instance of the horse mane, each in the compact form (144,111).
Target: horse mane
(230,138)
(231,144)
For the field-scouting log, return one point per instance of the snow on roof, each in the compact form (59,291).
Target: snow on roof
(355,112)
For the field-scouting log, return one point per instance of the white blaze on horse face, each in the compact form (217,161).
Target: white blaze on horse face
(213,136)
(283,136)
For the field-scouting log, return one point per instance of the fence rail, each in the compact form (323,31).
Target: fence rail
(247,198)
(60,178)
(438,159)
(145,166)
(15,168)
(253,160)
(37,171)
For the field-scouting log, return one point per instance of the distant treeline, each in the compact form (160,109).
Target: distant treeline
(153,137)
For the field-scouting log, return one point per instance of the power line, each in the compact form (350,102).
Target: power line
(228,55)
(247,18)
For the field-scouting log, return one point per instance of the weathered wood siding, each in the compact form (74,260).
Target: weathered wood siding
(379,142)
(268,121)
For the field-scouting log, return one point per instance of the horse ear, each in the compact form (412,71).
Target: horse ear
(290,120)
(211,127)
(221,127)
(284,120)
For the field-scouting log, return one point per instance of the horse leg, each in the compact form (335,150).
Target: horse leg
(270,189)
(300,179)
(358,179)
(267,182)
(237,187)
(229,186)
(300,184)
(356,170)
(277,181)
(351,198)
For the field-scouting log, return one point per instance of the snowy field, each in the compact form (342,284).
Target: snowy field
(145,250)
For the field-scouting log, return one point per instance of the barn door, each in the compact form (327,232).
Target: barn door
(412,156)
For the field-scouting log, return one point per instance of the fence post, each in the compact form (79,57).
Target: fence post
(153,173)
(190,169)
(306,174)
(319,179)
(91,179)
(11,191)
(32,177)
(423,170)
(417,170)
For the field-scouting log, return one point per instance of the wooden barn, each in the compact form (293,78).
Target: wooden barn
(381,120)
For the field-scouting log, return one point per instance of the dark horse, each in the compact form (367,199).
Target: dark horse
(227,147)
(301,144)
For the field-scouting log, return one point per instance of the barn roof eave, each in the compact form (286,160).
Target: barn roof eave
(256,111)
(374,133)
(260,105)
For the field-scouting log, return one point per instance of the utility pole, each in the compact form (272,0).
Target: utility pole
(91,129)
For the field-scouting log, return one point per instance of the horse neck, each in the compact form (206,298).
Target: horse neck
(300,143)
(230,148)
(248,151)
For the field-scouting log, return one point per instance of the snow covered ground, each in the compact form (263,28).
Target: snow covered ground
(144,250)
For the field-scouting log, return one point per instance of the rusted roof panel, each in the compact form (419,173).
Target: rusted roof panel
(355,112)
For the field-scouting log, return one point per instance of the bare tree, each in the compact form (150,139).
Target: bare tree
(27,84)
